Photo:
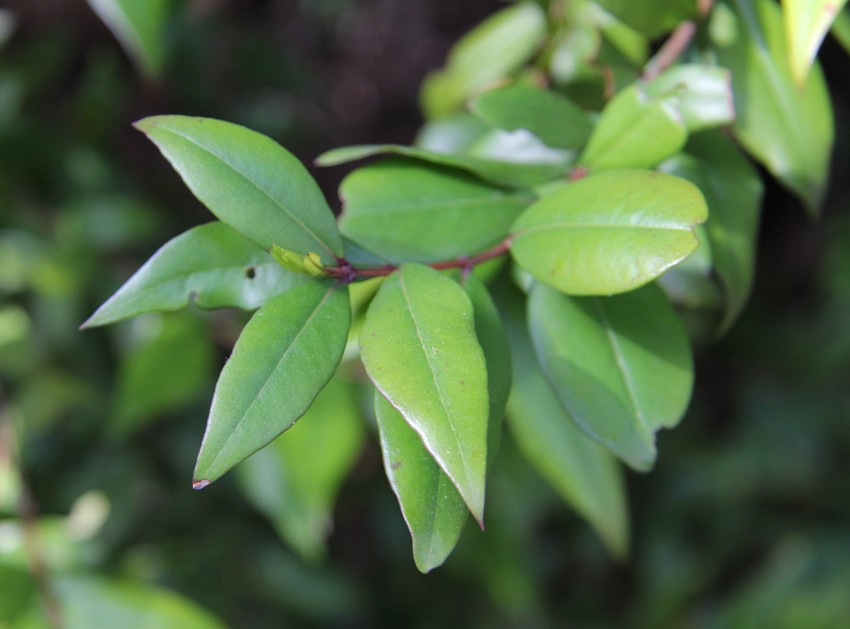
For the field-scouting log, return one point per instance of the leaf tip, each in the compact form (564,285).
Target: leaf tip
(200,484)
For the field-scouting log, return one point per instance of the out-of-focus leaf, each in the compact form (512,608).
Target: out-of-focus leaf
(211,266)
(452,134)
(585,474)
(249,182)
(490,52)
(806,24)
(651,17)
(621,365)
(552,118)
(432,507)
(18,592)
(635,131)
(285,355)
(841,29)
(419,347)
(169,369)
(405,211)
(294,481)
(704,94)
(733,192)
(786,127)
(494,343)
(140,27)
(609,232)
(509,168)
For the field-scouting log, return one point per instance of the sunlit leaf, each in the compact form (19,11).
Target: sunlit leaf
(549,116)
(786,127)
(419,347)
(704,94)
(584,473)
(210,266)
(405,211)
(620,365)
(609,232)
(806,24)
(295,479)
(140,27)
(285,355)
(432,507)
(249,182)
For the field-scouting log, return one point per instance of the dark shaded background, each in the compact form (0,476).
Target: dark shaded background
(744,522)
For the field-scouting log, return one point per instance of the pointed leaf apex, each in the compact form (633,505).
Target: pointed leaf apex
(200,484)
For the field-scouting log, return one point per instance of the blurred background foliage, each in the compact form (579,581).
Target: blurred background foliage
(745,521)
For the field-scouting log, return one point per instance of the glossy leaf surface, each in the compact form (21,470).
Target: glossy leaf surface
(419,347)
(621,365)
(432,507)
(494,49)
(635,131)
(140,27)
(294,481)
(285,355)
(249,182)
(704,94)
(609,232)
(584,473)
(787,128)
(733,191)
(549,116)
(403,210)
(210,266)
(806,24)
(508,170)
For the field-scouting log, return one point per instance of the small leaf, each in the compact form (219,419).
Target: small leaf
(507,170)
(495,48)
(140,27)
(787,128)
(211,266)
(249,182)
(432,507)
(733,191)
(419,347)
(294,481)
(704,94)
(806,24)
(609,232)
(651,17)
(635,131)
(494,343)
(549,116)
(585,474)
(403,210)
(621,365)
(285,355)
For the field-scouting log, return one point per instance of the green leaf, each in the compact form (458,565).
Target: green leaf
(510,169)
(171,367)
(609,232)
(549,116)
(585,474)
(496,47)
(403,210)
(419,347)
(249,182)
(733,191)
(497,354)
(285,355)
(294,481)
(140,27)
(451,134)
(806,24)
(635,131)
(432,507)
(211,266)
(18,592)
(704,94)
(621,365)
(787,128)
(651,17)
(841,30)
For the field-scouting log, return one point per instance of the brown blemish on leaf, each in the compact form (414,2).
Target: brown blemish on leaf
(200,484)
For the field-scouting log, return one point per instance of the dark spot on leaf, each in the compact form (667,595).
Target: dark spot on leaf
(251,272)
(396,465)
(193,296)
